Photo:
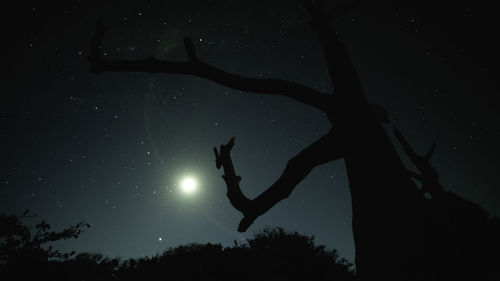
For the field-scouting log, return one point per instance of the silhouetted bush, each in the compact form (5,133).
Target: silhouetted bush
(24,254)
(271,254)
(461,246)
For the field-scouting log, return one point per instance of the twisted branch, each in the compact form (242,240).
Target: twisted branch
(236,197)
(196,67)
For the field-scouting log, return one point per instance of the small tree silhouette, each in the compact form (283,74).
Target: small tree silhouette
(20,241)
(24,247)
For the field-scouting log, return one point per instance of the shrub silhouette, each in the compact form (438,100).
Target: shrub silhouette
(292,255)
(23,250)
(470,253)
(272,254)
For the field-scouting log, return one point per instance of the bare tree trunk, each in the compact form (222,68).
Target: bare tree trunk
(385,202)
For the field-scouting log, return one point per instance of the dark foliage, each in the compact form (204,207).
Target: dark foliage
(272,254)
(19,241)
(24,252)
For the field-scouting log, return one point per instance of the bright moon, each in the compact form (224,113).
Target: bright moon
(188,185)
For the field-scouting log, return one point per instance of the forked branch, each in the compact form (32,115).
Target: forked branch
(196,67)
(428,175)
(236,197)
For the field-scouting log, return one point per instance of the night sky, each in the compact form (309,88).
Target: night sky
(111,149)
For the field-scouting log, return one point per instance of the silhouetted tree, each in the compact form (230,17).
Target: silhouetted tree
(390,216)
(25,247)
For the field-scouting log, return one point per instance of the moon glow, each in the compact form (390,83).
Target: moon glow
(189,185)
